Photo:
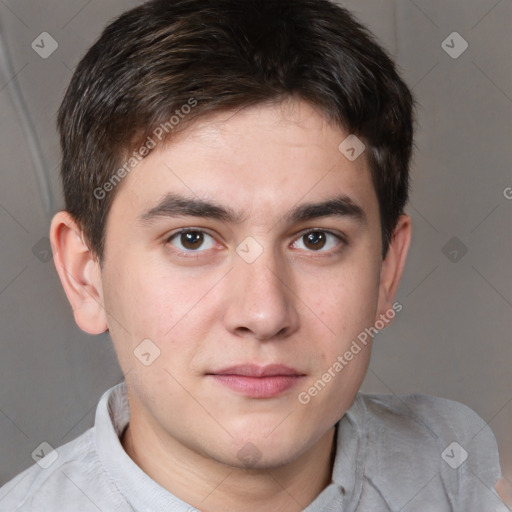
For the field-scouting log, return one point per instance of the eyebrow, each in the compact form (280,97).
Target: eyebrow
(175,205)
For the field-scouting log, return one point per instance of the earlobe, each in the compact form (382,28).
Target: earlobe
(79,273)
(394,263)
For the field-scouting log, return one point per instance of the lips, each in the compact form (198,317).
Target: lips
(258,381)
(253,370)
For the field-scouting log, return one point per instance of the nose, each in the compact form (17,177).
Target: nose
(261,303)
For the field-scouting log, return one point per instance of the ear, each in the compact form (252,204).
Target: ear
(79,273)
(393,264)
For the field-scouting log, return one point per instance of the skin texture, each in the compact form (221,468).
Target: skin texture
(297,305)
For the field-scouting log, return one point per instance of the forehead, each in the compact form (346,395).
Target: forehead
(261,161)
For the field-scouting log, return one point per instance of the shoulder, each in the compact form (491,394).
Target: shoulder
(435,422)
(60,480)
(436,417)
(417,434)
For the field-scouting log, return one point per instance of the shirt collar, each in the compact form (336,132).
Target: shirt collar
(144,494)
(344,491)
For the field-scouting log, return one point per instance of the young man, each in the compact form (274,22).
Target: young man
(235,176)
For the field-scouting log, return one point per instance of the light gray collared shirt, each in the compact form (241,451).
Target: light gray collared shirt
(407,453)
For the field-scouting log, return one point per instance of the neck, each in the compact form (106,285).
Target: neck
(214,487)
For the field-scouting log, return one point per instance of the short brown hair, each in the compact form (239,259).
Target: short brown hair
(218,55)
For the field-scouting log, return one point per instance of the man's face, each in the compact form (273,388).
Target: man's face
(252,291)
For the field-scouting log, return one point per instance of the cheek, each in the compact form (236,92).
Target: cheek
(148,297)
(349,302)
(139,309)
(171,308)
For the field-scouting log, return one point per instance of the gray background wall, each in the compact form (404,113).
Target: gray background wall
(452,338)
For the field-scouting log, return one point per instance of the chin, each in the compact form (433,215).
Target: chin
(263,451)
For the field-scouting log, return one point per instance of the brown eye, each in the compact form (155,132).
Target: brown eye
(320,241)
(191,240)
(315,240)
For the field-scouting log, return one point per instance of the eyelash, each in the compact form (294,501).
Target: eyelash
(194,254)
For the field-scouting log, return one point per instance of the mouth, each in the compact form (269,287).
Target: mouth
(258,381)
